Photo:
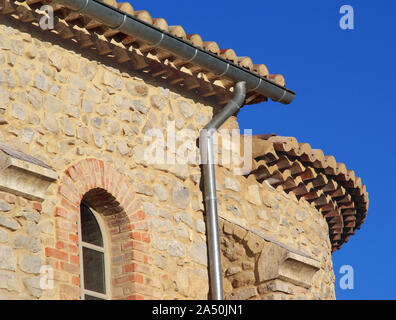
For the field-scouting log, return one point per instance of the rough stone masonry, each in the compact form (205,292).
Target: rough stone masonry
(86,120)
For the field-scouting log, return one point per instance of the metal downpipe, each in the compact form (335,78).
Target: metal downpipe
(208,167)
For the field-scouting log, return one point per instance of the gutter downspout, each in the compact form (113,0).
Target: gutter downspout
(208,166)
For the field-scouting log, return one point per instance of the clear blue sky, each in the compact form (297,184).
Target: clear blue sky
(345,103)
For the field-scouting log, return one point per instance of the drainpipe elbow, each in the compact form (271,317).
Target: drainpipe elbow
(233,106)
(240,93)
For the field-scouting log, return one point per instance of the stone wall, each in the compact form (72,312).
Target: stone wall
(21,251)
(89,120)
(62,107)
(271,216)
(257,267)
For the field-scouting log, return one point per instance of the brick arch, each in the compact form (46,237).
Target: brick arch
(110,194)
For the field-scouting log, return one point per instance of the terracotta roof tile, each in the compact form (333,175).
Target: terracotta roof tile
(261,69)
(307,173)
(161,24)
(278,79)
(229,55)
(143,15)
(93,34)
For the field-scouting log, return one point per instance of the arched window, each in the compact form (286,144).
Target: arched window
(93,256)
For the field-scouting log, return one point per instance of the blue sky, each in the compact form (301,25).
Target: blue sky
(345,84)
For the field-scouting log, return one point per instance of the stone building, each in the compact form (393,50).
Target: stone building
(85,213)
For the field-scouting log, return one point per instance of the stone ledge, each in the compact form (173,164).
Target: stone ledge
(266,237)
(22,177)
(276,262)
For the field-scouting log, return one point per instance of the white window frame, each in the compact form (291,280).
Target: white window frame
(104,250)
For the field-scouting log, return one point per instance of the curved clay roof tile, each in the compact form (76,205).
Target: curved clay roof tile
(144,16)
(307,173)
(195,39)
(283,163)
(320,181)
(305,148)
(125,7)
(351,175)
(112,3)
(178,31)
(283,146)
(229,55)
(246,63)
(358,183)
(330,187)
(286,144)
(278,79)
(341,169)
(261,69)
(161,24)
(331,162)
(212,47)
(297,168)
(283,139)
(319,158)
(73,20)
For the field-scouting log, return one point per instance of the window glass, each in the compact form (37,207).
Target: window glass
(92,256)
(90,228)
(94,273)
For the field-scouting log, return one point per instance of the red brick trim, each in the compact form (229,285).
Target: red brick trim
(110,194)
